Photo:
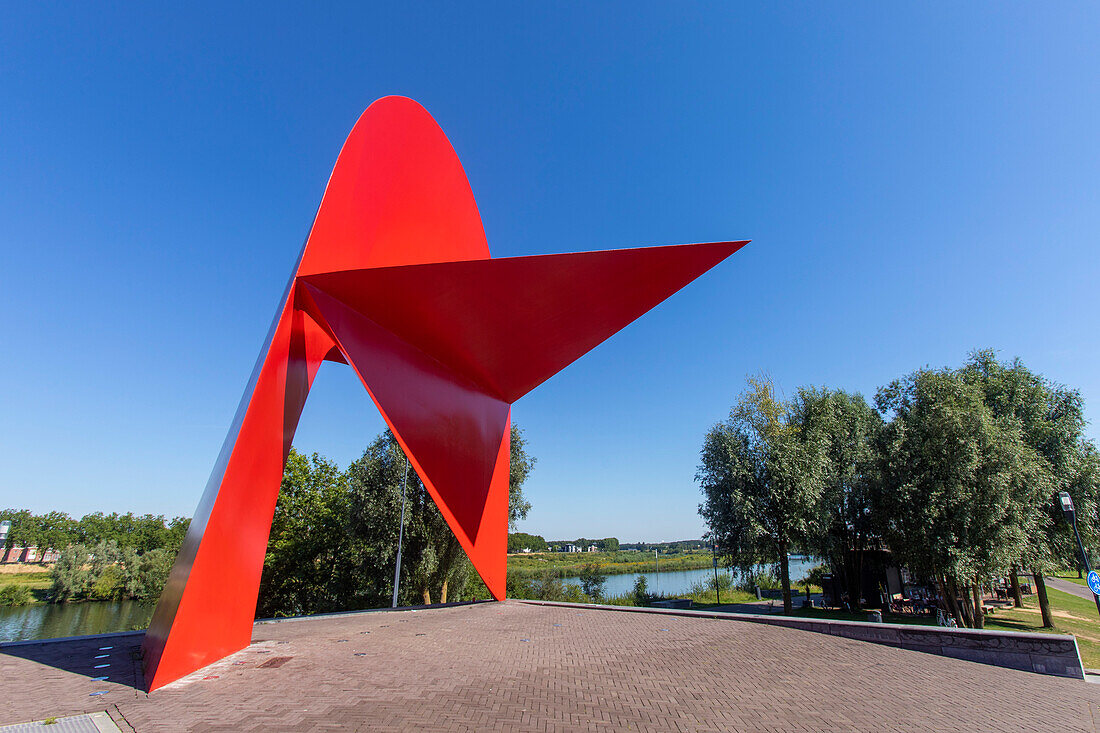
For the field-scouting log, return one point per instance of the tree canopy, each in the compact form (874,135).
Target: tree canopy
(57,530)
(333,543)
(954,471)
(761,481)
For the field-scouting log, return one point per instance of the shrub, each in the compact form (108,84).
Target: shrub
(15,595)
(108,586)
(816,575)
(626,599)
(641,591)
(519,586)
(592,581)
(71,580)
(766,578)
(147,574)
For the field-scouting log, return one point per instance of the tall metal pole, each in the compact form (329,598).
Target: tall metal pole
(1069,513)
(657,562)
(717,590)
(400,535)
(1085,559)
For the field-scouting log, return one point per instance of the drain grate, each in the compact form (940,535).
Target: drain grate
(276,662)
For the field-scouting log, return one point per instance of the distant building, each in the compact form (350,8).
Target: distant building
(572,548)
(17,554)
(593,548)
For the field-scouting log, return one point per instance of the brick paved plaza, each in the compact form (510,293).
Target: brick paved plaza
(516,666)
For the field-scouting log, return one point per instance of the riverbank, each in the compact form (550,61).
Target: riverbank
(35,580)
(570,564)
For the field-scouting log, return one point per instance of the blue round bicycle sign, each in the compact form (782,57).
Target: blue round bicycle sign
(1094,582)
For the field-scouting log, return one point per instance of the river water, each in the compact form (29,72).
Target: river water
(52,620)
(679,582)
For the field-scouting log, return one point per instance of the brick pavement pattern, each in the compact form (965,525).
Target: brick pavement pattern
(514,666)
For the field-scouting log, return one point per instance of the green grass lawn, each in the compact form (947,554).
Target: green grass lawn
(1072,615)
(1071,576)
(709,599)
(38,583)
(838,615)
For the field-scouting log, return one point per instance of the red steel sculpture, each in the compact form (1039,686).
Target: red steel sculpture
(395,279)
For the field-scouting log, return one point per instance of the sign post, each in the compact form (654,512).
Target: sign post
(1065,502)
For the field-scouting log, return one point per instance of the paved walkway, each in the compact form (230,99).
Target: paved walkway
(1081,591)
(515,666)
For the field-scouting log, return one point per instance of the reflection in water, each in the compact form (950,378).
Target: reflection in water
(52,620)
(680,581)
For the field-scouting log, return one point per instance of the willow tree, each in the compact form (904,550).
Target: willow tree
(761,483)
(1051,421)
(845,427)
(433,564)
(959,486)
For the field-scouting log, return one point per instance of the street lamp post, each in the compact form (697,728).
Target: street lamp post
(714,556)
(657,563)
(1070,515)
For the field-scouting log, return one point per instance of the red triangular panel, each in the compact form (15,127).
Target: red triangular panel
(450,428)
(509,324)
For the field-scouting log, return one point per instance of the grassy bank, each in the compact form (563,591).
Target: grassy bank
(570,564)
(38,583)
(1072,615)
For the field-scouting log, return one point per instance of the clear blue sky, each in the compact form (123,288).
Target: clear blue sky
(918,181)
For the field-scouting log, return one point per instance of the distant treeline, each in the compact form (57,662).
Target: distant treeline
(57,530)
(520,541)
(667,547)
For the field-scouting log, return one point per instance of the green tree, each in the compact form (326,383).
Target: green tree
(175,532)
(521,466)
(593,579)
(1051,421)
(24,530)
(958,486)
(53,530)
(641,591)
(147,573)
(334,540)
(56,531)
(761,483)
(308,541)
(845,427)
(69,578)
(520,541)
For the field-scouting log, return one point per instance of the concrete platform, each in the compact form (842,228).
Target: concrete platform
(514,666)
